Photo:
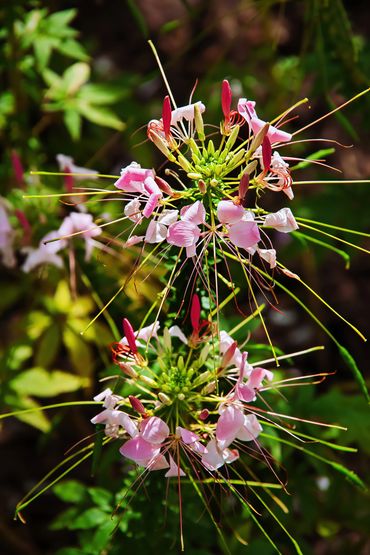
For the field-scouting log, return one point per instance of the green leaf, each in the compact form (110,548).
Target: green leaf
(75,76)
(48,346)
(80,353)
(52,79)
(101,116)
(36,419)
(102,498)
(37,323)
(72,120)
(73,49)
(43,47)
(315,156)
(61,19)
(89,519)
(41,383)
(351,363)
(70,491)
(101,94)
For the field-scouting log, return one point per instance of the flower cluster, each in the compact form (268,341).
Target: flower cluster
(189,402)
(216,204)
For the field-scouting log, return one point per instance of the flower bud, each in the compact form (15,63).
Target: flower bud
(128,370)
(199,126)
(148,381)
(137,405)
(233,136)
(164,398)
(163,185)
(184,163)
(203,415)
(202,186)
(211,386)
(258,139)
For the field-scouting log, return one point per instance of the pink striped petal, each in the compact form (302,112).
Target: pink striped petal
(228,212)
(183,234)
(154,430)
(228,425)
(174,471)
(244,234)
(282,220)
(250,429)
(139,450)
(195,213)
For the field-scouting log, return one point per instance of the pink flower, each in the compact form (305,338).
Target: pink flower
(282,220)
(7,237)
(243,231)
(135,179)
(67,165)
(269,255)
(174,470)
(247,391)
(244,234)
(112,418)
(215,456)
(234,424)
(229,423)
(145,447)
(247,111)
(157,229)
(185,232)
(80,224)
(145,334)
(132,178)
(46,253)
(228,212)
(190,439)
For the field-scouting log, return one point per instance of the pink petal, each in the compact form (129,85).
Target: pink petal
(151,204)
(186,435)
(244,234)
(250,429)
(128,424)
(174,471)
(166,116)
(195,213)
(269,255)
(151,186)
(175,331)
(132,178)
(154,430)
(246,109)
(226,97)
(191,251)
(282,220)
(156,232)
(230,455)
(228,212)
(168,217)
(185,112)
(195,313)
(132,210)
(139,450)
(257,376)
(213,458)
(129,334)
(158,463)
(245,393)
(228,426)
(183,234)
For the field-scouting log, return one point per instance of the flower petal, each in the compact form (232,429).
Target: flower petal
(228,212)
(228,425)
(154,430)
(244,234)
